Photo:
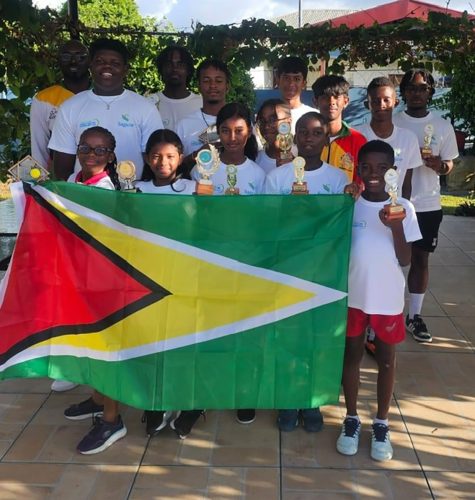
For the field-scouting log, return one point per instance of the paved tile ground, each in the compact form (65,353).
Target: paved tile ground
(432,418)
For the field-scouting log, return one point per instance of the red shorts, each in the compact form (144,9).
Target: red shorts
(389,329)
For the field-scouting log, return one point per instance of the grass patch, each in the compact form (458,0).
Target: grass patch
(451,202)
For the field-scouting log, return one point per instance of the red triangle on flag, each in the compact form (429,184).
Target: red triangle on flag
(61,280)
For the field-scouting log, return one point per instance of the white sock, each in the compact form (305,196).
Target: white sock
(415,304)
(381,421)
(356,417)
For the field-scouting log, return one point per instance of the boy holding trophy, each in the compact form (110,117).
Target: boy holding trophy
(383,230)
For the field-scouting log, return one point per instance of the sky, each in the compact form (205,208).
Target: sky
(186,13)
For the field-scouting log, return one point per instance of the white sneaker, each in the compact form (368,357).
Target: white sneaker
(62,385)
(347,443)
(381,449)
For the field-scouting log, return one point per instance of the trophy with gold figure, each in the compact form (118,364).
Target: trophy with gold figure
(285,141)
(126,173)
(393,210)
(28,170)
(426,150)
(207,164)
(231,178)
(299,186)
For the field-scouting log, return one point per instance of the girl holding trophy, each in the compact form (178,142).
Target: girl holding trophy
(237,172)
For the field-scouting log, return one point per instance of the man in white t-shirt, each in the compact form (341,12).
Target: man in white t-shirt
(291,78)
(381,101)
(199,128)
(130,117)
(176,67)
(438,147)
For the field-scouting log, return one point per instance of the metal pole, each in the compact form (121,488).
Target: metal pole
(300,13)
(74,19)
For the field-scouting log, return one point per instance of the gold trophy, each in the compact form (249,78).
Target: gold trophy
(426,150)
(28,170)
(126,173)
(207,163)
(393,210)
(285,141)
(231,177)
(299,186)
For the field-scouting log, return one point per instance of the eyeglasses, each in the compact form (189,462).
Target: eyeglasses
(84,149)
(69,56)
(421,89)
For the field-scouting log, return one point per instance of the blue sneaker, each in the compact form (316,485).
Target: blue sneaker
(312,419)
(288,420)
(101,436)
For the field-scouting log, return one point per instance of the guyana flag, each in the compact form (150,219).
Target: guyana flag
(179,302)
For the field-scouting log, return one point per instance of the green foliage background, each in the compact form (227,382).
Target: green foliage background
(29,38)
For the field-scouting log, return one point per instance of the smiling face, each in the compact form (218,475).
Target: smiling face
(234,133)
(372,167)
(331,106)
(291,85)
(269,120)
(108,70)
(311,136)
(164,160)
(94,152)
(73,60)
(381,102)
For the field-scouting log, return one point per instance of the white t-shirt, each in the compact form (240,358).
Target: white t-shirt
(181,186)
(425,182)
(265,161)
(296,113)
(250,178)
(190,128)
(131,119)
(375,279)
(174,110)
(407,154)
(104,182)
(323,180)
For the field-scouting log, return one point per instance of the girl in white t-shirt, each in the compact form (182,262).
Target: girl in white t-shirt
(163,156)
(97,158)
(271,114)
(239,148)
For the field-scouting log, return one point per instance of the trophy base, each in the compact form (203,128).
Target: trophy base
(286,156)
(394,212)
(204,189)
(426,153)
(232,191)
(132,190)
(299,188)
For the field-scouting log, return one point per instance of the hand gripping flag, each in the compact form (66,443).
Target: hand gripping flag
(179,302)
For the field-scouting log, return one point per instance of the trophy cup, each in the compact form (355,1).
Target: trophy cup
(207,163)
(209,135)
(299,186)
(28,170)
(126,173)
(231,177)
(426,150)
(285,141)
(393,210)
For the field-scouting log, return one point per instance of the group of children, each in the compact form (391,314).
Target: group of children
(337,160)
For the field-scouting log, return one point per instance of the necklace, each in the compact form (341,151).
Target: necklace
(204,119)
(108,103)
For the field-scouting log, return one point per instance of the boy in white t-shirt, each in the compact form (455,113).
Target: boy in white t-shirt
(379,247)
(381,101)
(438,145)
(311,137)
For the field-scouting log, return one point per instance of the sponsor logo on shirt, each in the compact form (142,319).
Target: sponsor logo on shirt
(125,121)
(89,123)
(53,113)
(361,224)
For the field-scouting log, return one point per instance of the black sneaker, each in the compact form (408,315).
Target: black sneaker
(287,420)
(184,422)
(155,421)
(83,410)
(101,436)
(246,416)
(312,419)
(418,329)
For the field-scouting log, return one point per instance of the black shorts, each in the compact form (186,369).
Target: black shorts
(429,223)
